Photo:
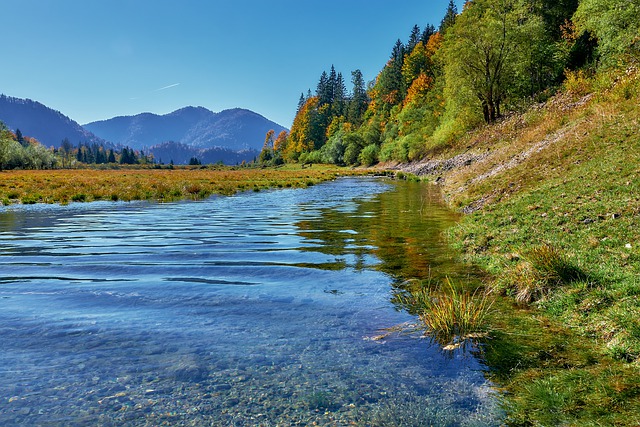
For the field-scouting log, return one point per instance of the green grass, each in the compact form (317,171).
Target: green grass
(560,233)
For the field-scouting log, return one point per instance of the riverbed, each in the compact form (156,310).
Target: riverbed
(263,308)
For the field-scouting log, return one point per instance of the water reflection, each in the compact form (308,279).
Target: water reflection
(256,309)
(402,229)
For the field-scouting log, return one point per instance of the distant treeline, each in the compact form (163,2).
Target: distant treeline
(20,152)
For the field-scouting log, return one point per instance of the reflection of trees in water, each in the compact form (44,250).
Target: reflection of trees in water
(402,228)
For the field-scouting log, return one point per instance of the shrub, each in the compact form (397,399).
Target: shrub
(369,155)
(577,83)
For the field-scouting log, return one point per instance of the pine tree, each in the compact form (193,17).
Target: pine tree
(390,82)
(358,103)
(429,30)
(339,96)
(449,17)
(414,39)
(20,138)
(323,90)
(397,54)
(333,77)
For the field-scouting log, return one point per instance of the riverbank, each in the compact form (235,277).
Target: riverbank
(163,185)
(553,203)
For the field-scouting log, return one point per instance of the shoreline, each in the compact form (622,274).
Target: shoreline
(556,185)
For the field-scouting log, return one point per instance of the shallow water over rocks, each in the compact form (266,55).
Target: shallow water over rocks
(254,309)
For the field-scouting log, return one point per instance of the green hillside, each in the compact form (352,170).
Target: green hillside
(553,203)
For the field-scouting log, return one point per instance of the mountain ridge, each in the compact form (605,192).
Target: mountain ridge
(236,129)
(47,125)
(231,136)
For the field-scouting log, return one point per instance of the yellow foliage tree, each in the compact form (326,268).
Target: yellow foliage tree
(419,89)
(304,130)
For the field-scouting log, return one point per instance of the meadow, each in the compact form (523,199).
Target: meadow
(163,185)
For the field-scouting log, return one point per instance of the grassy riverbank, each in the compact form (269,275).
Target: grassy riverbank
(164,185)
(553,197)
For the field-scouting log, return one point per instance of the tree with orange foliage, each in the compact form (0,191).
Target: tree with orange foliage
(281,141)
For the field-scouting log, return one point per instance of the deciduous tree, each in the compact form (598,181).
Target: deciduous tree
(483,51)
(616,25)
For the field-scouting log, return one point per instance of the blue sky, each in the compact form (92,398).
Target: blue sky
(96,59)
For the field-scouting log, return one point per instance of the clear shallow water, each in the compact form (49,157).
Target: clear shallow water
(255,309)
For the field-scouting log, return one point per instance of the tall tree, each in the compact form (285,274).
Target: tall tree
(20,138)
(359,100)
(267,148)
(483,51)
(339,96)
(307,132)
(390,88)
(414,38)
(417,62)
(280,142)
(333,77)
(616,25)
(301,102)
(449,17)
(429,30)
(323,90)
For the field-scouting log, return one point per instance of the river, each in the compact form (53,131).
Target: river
(258,309)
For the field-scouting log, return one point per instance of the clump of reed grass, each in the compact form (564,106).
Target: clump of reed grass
(543,269)
(451,316)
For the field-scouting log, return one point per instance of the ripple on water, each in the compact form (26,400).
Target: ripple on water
(242,310)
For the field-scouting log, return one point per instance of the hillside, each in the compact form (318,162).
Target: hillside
(48,126)
(553,203)
(196,127)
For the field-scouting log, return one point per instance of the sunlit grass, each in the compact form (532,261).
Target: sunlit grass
(163,185)
(449,315)
(559,232)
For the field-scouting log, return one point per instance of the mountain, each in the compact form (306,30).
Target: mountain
(46,125)
(179,153)
(236,129)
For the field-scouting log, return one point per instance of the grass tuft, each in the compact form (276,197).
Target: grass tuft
(450,316)
(543,269)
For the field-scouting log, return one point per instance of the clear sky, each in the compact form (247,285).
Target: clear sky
(96,59)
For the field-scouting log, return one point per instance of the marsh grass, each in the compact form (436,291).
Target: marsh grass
(163,185)
(543,269)
(449,315)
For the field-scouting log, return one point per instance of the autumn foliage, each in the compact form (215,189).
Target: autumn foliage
(493,57)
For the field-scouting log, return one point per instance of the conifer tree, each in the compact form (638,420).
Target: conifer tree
(358,103)
(449,17)
(323,90)
(339,96)
(414,39)
(429,30)
(20,138)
